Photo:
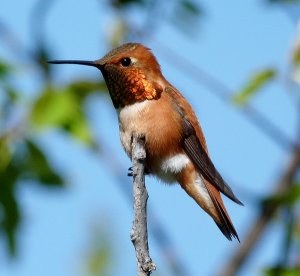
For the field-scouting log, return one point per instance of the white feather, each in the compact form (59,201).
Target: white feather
(130,111)
(171,166)
(127,117)
(202,190)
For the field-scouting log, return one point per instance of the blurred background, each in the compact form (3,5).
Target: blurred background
(65,198)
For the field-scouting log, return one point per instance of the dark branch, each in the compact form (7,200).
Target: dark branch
(262,221)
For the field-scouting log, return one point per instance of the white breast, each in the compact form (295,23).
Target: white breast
(129,118)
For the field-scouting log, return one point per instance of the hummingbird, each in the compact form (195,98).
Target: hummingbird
(149,106)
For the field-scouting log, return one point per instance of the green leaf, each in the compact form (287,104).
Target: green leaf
(38,168)
(282,271)
(256,82)
(5,69)
(78,127)
(190,7)
(5,154)
(289,198)
(98,260)
(120,4)
(27,161)
(13,95)
(62,109)
(41,56)
(9,209)
(296,55)
(83,88)
(53,108)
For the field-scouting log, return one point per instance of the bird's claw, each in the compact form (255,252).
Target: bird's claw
(130,172)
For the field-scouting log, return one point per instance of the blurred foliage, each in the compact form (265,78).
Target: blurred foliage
(296,56)
(22,157)
(186,13)
(5,69)
(123,3)
(41,55)
(288,202)
(182,13)
(36,166)
(185,7)
(282,271)
(61,109)
(98,261)
(22,161)
(254,84)
(295,60)
(289,198)
(283,1)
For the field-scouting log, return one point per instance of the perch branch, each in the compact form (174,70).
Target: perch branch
(139,235)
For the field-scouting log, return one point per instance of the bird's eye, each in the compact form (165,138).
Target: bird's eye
(126,61)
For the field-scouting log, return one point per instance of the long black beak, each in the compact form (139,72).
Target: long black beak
(80,62)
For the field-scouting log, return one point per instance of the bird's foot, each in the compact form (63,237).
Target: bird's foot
(130,171)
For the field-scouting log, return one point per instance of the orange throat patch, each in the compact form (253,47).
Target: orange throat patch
(132,86)
(140,87)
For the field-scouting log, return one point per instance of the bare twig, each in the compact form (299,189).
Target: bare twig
(264,218)
(170,254)
(139,235)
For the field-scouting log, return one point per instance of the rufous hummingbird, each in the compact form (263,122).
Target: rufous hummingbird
(150,107)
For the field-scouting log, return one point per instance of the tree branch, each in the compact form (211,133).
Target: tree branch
(170,254)
(264,218)
(139,235)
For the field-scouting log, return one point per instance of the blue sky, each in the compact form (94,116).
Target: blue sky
(235,39)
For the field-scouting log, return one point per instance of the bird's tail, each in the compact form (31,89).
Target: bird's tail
(209,199)
(221,218)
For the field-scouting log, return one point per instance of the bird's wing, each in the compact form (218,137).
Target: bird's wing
(201,160)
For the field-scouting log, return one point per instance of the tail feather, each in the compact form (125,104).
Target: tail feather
(223,221)
(208,197)
(226,225)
